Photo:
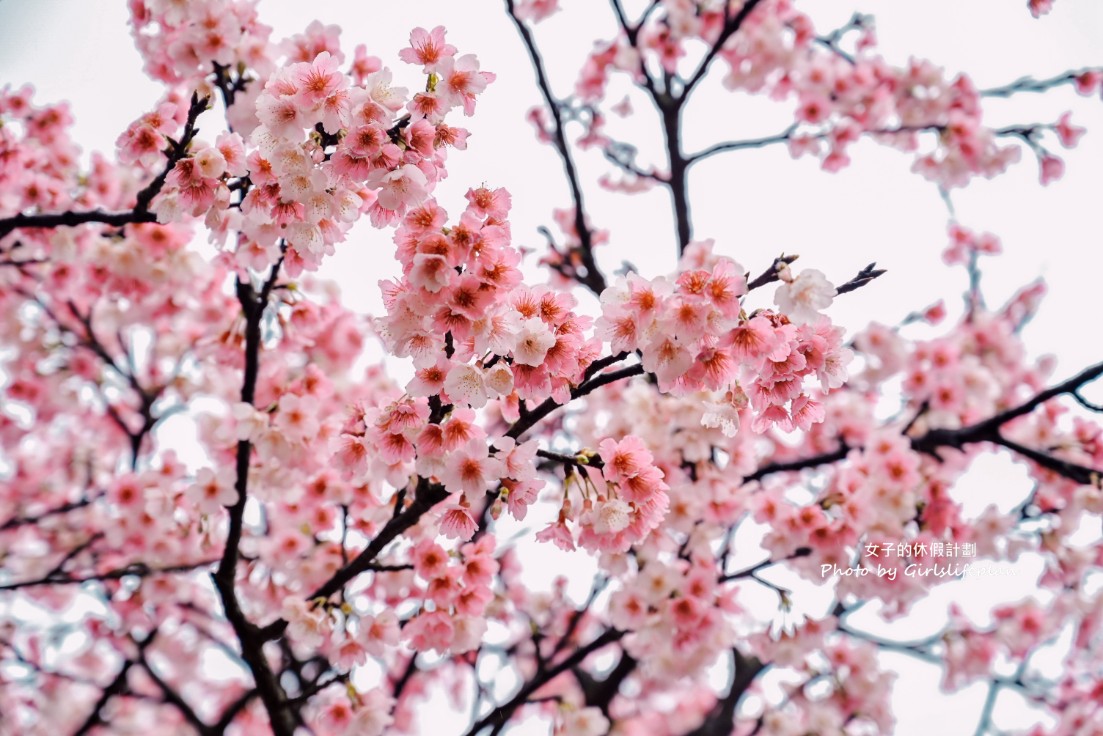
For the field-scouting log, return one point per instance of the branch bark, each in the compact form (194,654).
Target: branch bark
(498,717)
(177,150)
(281,713)
(592,279)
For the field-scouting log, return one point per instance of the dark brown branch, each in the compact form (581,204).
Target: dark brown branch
(772,273)
(729,30)
(782,137)
(864,276)
(987,430)
(802,464)
(72,219)
(118,686)
(426,497)
(136,570)
(177,150)
(175,699)
(623,156)
(408,673)
(678,165)
(571,461)
(283,717)
(600,693)
(18,521)
(232,712)
(721,719)
(753,570)
(593,278)
(1090,406)
(529,420)
(498,717)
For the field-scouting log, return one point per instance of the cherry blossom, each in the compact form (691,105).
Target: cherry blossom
(357,524)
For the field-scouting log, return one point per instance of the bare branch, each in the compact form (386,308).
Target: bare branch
(283,717)
(864,276)
(593,278)
(782,137)
(498,717)
(1030,84)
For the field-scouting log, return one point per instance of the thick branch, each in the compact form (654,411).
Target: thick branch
(72,219)
(721,719)
(600,693)
(281,714)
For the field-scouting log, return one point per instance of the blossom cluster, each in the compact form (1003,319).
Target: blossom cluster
(694,335)
(687,440)
(839,95)
(312,146)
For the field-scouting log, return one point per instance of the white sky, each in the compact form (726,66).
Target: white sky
(756,204)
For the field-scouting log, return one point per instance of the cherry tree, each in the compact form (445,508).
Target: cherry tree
(352,544)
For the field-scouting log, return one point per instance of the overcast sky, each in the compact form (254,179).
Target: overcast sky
(756,204)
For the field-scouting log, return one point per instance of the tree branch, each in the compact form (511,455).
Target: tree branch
(771,274)
(593,278)
(987,430)
(782,137)
(139,569)
(729,30)
(175,699)
(864,276)
(529,420)
(118,686)
(283,717)
(140,213)
(498,717)
(721,719)
(426,497)
(1030,84)
(802,464)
